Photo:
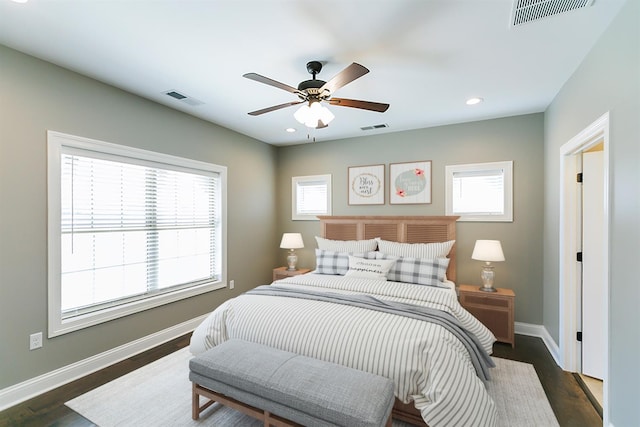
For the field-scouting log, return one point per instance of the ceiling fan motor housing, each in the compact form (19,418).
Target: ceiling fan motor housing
(311,87)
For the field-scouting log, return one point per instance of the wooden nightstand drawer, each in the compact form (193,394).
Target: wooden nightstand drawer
(485,300)
(494,309)
(282,272)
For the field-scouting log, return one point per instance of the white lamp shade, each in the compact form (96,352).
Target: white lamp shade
(488,250)
(291,241)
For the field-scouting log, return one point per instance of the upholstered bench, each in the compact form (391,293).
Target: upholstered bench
(286,389)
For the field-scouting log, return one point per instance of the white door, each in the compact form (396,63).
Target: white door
(593,272)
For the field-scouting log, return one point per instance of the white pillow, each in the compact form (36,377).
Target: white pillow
(415,250)
(369,268)
(347,245)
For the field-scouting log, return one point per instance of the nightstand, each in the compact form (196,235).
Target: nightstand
(494,309)
(282,272)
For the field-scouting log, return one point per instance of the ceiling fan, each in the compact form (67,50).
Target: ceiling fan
(313,92)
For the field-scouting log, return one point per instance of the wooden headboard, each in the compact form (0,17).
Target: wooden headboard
(405,229)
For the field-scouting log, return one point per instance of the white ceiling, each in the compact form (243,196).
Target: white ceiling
(425,57)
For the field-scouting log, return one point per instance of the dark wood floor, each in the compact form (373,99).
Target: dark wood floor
(568,400)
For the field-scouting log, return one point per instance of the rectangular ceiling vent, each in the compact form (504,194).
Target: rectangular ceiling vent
(184,98)
(525,11)
(384,125)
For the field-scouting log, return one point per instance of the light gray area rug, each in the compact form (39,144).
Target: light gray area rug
(159,394)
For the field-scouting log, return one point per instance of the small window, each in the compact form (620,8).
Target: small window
(129,230)
(311,196)
(480,191)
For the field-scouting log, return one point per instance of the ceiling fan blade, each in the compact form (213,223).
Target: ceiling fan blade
(271,82)
(345,76)
(274,108)
(364,105)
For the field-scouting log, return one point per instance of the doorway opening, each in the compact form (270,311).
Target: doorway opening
(570,269)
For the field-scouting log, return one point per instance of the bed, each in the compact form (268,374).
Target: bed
(406,329)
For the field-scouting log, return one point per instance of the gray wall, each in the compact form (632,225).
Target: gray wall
(514,138)
(36,96)
(607,80)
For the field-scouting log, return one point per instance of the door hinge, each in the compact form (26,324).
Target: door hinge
(579,336)
(579,177)
(579,256)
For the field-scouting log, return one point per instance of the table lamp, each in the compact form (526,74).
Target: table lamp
(488,251)
(291,241)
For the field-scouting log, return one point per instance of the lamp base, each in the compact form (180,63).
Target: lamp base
(292,260)
(487,277)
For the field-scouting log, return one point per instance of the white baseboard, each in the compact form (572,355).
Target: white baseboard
(541,332)
(18,393)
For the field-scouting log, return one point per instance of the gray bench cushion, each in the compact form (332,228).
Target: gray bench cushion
(307,390)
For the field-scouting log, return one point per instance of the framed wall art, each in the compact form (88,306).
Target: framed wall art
(410,183)
(366,185)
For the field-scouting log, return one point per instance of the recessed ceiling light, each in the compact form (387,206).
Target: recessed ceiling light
(474,101)
(290,130)
(19,1)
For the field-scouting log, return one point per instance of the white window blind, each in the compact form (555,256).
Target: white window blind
(480,191)
(311,196)
(132,229)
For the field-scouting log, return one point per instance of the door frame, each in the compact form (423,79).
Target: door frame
(570,351)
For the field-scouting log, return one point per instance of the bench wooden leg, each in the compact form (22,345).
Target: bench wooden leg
(196,409)
(268,418)
(195,402)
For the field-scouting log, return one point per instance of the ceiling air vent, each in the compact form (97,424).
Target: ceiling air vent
(525,11)
(183,98)
(384,125)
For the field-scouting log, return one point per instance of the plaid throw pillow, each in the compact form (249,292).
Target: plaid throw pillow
(429,272)
(331,262)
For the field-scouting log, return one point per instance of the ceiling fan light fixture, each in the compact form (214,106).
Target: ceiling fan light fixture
(310,115)
(301,114)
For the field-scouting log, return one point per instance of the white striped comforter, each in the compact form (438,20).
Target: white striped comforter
(426,362)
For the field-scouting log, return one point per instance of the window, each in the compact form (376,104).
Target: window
(311,196)
(480,192)
(129,230)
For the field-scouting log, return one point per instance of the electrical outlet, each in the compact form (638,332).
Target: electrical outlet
(232,284)
(35,341)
